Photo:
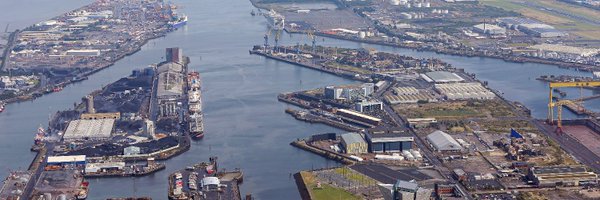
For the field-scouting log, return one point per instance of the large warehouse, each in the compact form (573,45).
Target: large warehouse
(489,29)
(89,129)
(562,176)
(353,143)
(409,95)
(443,142)
(463,91)
(66,160)
(568,50)
(531,27)
(389,140)
(441,77)
(170,88)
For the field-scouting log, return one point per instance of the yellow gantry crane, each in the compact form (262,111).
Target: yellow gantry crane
(560,103)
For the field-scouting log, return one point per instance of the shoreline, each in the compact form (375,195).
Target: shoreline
(512,59)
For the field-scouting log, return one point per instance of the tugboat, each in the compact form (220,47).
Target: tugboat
(41,133)
(83,192)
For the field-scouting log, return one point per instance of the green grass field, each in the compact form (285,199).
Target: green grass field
(326,192)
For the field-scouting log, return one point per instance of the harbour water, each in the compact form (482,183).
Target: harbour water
(245,125)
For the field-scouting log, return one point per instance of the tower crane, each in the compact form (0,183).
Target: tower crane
(311,35)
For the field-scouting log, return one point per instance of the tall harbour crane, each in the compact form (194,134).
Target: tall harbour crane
(560,103)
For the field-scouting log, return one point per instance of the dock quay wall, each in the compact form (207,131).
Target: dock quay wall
(329,155)
(304,194)
(305,65)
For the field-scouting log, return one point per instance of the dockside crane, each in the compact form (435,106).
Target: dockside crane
(560,103)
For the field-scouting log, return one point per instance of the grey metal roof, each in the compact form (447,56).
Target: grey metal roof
(351,138)
(170,66)
(559,169)
(443,141)
(443,76)
(407,185)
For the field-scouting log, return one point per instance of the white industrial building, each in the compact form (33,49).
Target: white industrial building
(62,160)
(531,27)
(83,52)
(89,129)
(463,91)
(567,50)
(489,29)
(349,92)
(441,77)
(409,95)
(105,166)
(443,142)
(365,106)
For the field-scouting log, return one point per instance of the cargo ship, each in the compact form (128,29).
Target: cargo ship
(195,118)
(179,22)
(276,20)
(196,127)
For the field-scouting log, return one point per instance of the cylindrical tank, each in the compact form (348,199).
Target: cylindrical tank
(362,34)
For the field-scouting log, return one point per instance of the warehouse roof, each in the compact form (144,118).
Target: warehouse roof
(442,141)
(89,128)
(170,84)
(443,77)
(559,169)
(351,138)
(358,114)
(65,159)
(407,185)
(170,66)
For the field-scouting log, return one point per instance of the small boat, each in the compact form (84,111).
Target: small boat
(83,193)
(2,106)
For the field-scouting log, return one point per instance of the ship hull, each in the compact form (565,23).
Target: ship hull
(179,24)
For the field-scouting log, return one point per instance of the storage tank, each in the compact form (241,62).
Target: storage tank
(407,155)
(362,34)
(416,154)
(418,5)
(427,5)
(446,11)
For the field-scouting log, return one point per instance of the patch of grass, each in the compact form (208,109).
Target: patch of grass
(355,176)
(326,191)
